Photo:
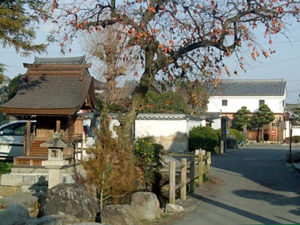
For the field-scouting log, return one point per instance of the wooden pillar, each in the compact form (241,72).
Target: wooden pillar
(208,162)
(291,140)
(172,182)
(192,174)
(183,179)
(58,125)
(28,140)
(200,168)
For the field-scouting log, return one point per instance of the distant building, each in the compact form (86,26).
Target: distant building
(230,95)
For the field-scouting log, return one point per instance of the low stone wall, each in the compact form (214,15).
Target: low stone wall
(29,180)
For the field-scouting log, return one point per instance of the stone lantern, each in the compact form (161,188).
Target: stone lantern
(55,159)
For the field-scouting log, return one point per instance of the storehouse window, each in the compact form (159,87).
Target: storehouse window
(261,102)
(224,102)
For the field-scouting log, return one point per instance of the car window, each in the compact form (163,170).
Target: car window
(18,129)
(21,130)
(15,129)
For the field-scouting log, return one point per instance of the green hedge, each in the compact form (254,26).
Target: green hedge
(203,137)
(238,134)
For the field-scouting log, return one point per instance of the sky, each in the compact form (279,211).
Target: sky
(284,64)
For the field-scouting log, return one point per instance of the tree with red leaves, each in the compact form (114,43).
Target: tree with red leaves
(180,38)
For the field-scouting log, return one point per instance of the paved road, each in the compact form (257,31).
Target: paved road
(254,186)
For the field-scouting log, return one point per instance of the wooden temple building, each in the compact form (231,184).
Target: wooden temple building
(51,93)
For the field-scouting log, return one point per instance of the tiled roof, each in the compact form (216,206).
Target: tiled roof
(167,116)
(249,88)
(40,92)
(60,61)
(49,92)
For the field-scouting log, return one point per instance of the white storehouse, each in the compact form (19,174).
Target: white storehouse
(231,95)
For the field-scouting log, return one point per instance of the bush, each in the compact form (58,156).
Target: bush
(238,135)
(5,167)
(203,137)
(295,139)
(149,161)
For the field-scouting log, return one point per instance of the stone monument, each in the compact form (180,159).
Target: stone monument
(55,159)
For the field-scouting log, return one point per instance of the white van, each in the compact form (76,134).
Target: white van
(12,138)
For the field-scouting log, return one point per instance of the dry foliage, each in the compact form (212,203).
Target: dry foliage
(107,50)
(111,165)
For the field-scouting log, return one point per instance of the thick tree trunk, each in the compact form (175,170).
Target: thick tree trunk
(257,134)
(127,120)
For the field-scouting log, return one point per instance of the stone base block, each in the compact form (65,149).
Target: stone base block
(6,190)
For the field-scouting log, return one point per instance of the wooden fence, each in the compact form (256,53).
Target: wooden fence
(190,172)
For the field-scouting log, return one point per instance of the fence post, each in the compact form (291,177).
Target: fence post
(192,174)
(200,168)
(208,162)
(172,182)
(183,179)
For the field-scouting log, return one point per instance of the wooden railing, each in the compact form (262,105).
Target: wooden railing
(196,168)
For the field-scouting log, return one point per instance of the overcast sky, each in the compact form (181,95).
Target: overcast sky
(284,64)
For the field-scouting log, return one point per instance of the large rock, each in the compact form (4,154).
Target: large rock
(146,205)
(70,199)
(14,214)
(25,199)
(43,221)
(88,223)
(172,208)
(119,215)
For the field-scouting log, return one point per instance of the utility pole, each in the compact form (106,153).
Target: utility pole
(291,139)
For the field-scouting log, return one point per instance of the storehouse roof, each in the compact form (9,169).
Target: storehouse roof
(249,88)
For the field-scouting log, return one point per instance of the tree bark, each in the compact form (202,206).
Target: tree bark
(127,120)
(257,135)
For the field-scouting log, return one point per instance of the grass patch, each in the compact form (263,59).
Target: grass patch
(158,221)
(205,178)
(5,167)
(165,216)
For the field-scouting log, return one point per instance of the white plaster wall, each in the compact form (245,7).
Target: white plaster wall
(216,124)
(234,103)
(171,134)
(195,123)
(296,130)
(156,128)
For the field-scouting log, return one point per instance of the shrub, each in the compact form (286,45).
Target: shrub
(238,135)
(149,161)
(295,139)
(5,167)
(203,137)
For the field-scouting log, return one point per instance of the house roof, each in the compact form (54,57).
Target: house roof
(249,88)
(60,61)
(61,89)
